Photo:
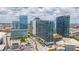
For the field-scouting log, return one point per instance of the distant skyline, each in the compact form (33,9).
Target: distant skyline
(9,14)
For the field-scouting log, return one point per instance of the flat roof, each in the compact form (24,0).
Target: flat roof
(1,34)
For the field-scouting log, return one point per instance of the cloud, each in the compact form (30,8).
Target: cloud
(43,12)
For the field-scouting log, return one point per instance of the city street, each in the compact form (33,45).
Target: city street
(36,45)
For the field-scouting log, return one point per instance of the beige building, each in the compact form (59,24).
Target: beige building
(13,41)
(4,40)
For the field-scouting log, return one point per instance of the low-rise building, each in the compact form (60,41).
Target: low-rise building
(3,41)
(15,43)
(68,44)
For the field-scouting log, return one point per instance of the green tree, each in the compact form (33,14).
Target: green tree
(74,36)
(23,39)
(56,37)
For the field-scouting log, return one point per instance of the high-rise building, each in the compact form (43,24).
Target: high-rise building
(62,25)
(43,29)
(15,25)
(23,22)
(19,28)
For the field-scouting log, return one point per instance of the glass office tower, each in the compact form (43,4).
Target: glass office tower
(23,22)
(62,25)
(20,27)
(15,25)
(43,29)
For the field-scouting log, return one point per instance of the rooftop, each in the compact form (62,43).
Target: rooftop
(1,34)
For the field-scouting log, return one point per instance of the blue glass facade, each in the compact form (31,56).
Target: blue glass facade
(15,33)
(44,29)
(19,28)
(15,25)
(23,22)
(62,25)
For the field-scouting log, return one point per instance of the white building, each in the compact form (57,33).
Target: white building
(2,40)
(15,41)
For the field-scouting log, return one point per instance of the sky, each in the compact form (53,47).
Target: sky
(9,14)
